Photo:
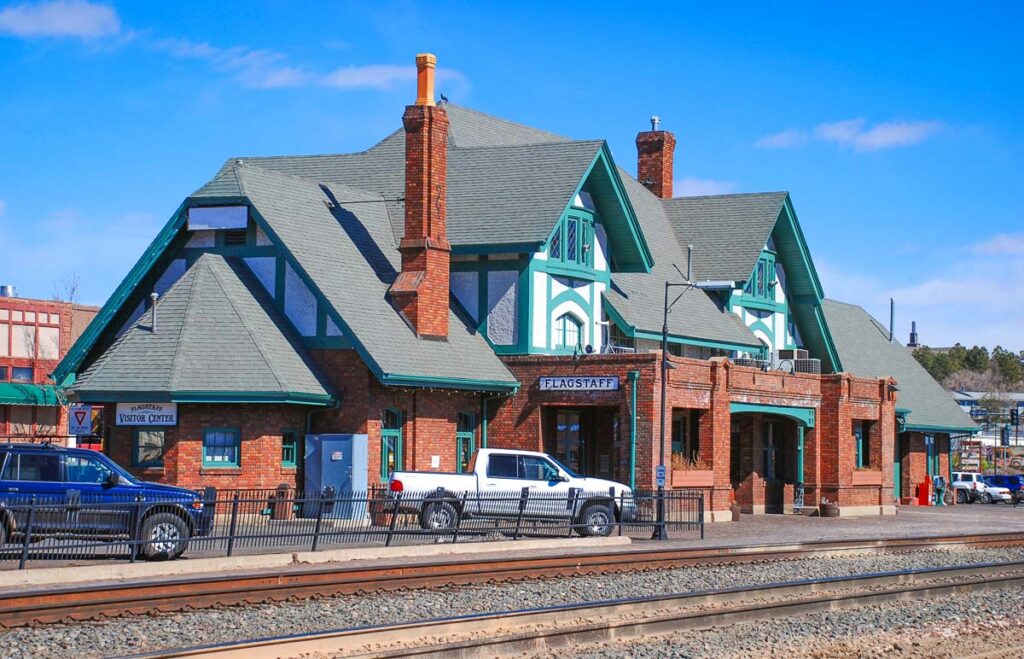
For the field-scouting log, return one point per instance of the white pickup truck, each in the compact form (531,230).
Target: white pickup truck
(499,479)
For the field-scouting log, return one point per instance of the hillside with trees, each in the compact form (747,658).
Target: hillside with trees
(974,369)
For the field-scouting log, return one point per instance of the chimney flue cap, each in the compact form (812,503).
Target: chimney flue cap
(426,63)
(655,122)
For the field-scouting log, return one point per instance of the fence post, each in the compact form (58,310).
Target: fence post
(234,523)
(319,519)
(135,542)
(394,520)
(458,520)
(28,532)
(701,518)
(523,496)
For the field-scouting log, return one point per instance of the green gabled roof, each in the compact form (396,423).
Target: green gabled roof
(728,232)
(218,337)
(865,351)
(637,299)
(17,393)
(348,255)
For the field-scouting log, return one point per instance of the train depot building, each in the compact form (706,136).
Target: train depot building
(469,281)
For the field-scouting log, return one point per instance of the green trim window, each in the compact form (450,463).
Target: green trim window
(465,441)
(289,448)
(568,332)
(390,442)
(222,447)
(572,243)
(148,447)
(762,282)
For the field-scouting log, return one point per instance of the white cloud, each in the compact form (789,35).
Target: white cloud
(963,298)
(1003,243)
(268,69)
(692,186)
(60,18)
(856,134)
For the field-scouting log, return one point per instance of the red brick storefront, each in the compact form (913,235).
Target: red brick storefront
(710,391)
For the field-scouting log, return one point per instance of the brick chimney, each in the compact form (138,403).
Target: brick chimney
(654,152)
(420,292)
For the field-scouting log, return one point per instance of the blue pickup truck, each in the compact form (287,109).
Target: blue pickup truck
(78,493)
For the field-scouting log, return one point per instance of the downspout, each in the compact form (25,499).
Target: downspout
(634,376)
(309,413)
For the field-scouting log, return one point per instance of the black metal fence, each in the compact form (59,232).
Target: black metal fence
(233,522)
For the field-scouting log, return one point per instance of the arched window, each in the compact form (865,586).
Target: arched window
(568,332)
(390,442)
(465,440)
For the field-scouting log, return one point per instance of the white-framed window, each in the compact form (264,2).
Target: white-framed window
(568,332)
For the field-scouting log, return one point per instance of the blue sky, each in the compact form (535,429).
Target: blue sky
(897,127)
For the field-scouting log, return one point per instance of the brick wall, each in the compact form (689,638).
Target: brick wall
(260,427)
(655,155)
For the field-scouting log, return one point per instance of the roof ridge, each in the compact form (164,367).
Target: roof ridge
(245,326)
(242,166)
(508,121)
(562,143)
(727,196)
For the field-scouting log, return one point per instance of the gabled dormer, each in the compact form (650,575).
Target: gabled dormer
(546,297)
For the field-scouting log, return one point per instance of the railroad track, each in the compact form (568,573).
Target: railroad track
(549,629)
(91,602)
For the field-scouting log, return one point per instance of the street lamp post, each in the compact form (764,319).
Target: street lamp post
(660,532)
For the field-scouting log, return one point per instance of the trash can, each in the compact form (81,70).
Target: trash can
(281,507)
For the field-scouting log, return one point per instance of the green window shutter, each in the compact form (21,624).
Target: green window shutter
(289,448)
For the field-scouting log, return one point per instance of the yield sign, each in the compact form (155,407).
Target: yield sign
(80,420)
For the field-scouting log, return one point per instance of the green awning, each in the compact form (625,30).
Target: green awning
(12,393)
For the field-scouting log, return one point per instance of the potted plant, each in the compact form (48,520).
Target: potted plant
(691,472)
(828,508)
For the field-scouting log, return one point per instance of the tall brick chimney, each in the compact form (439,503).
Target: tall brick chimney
(420,292)
(654,153)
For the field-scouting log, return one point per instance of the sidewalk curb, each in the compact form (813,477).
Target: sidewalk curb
(80,574)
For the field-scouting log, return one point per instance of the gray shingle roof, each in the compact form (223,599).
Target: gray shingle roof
(217,333)
(350,254)
(865,350)
(728,232)
(639,298)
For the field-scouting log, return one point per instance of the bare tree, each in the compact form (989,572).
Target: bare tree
(65,288)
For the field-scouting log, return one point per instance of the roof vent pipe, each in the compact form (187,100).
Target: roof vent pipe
(152,326)
(892,320)
(913,335)
(689,263)
(655,122)
(8,290)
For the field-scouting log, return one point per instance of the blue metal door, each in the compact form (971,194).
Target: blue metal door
(338,464)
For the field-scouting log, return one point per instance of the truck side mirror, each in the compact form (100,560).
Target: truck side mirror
(112,480)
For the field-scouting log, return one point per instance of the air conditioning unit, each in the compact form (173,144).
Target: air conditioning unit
(807,365)
(797,353)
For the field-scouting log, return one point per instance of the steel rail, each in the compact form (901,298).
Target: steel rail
(556,627)
(96,601)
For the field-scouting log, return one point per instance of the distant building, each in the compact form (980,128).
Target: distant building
(34,336)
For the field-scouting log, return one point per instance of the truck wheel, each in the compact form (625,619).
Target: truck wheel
(961,496)
(439,516)
(165,536)
(596,520)
(3,533)
(986,497)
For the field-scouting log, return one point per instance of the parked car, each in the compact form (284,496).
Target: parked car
(495,479)
(971,487)
(80,493)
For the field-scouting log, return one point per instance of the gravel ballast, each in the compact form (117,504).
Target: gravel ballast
(957,626)
(149,633)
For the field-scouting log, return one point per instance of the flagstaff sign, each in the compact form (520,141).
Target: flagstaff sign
(579,383)
(147,414)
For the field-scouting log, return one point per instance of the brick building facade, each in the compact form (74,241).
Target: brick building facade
(434,293)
